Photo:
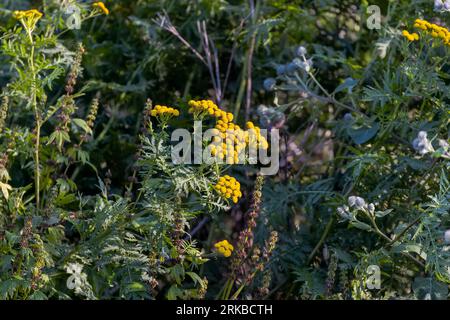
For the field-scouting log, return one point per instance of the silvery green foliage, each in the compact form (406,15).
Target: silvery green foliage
(172,181)
(389,166)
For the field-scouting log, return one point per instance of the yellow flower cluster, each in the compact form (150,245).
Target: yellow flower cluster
(233,142)
(232,139)
(100,5)
(434,30)
(229,187)
(28,14)
(410,36)
(28,18)
(255,139)
(159,111)
(235,139)
(207,107)
(224,247)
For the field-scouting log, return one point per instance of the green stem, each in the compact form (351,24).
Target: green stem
(228,289)
(390,241)
(322,240)
(240,95)
(37,172)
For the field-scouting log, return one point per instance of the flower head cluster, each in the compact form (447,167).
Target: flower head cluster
(229,139)
(434,30)
(235,139)
(28,14)
(100,5)
(410,36)
(304,64)
(164,111)
(301,51)
(28,18)
(208,107)
(224,247)
(229,187)
(77,280)
(421,144)
(255,139)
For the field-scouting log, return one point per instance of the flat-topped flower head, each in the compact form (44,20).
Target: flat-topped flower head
(202,108)
(28,18)
(229,188)
(101,6)
(164,112)
(224,248)
(33,13)
(230,141)
(433,30)
(410,36)
(254,137)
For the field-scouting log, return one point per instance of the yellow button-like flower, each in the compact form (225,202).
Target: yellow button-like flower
(30,14)
(224,248)
(250,125)
(436,31)
(228,187)
(28,18)
(235,139)
(100,5)
(410,36)
(203,107)
(164,112)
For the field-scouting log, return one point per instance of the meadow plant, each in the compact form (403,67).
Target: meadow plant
(101,107)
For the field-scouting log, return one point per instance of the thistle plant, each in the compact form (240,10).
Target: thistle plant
(387,127)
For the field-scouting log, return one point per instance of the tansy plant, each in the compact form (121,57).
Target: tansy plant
(101,7)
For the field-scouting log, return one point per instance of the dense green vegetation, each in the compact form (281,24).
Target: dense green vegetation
(93,207)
